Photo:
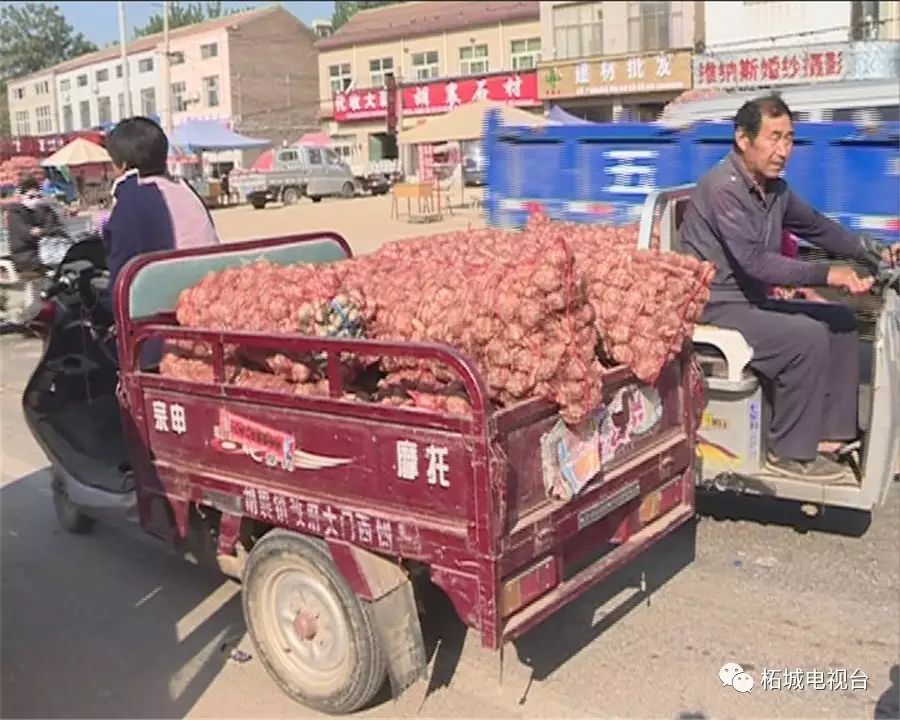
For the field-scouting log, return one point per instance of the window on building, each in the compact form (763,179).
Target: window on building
(209,50)
(145,65)
(179,91)
(651,25)
(102,75)
(339,77)
(379,71)
(148,101)
(68,124)
(211,90)
(525,54)
(65,85)
(19,93)
(120,101)
(81,81)
(44,117)
(84,110)
(23,124)
(578,30)
(176,58)
(119,70)
(425,65)
(42,88)
(473,60)
(104,110)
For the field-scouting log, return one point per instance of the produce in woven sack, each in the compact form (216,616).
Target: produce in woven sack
(646,302)
(511,302)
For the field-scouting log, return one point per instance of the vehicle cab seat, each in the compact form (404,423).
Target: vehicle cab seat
(730,344)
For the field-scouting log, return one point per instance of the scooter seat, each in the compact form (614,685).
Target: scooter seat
(731,344)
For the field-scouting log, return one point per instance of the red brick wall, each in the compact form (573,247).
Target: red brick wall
(274,77)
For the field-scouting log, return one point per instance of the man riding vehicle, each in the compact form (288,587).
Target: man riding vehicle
(807,351)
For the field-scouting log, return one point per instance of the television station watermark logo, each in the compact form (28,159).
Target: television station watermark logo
(733,675)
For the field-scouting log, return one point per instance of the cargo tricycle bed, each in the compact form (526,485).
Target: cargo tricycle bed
(330,509)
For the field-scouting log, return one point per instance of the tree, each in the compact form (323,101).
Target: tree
(34,36)
(184,13)
(345,9)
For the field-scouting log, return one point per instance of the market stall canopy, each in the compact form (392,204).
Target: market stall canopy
(77,152)
(561,117)
(211,135)
(467,123)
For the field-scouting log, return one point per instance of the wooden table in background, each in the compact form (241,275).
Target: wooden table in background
(424,193)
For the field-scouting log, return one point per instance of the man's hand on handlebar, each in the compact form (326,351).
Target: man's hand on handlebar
(841,276)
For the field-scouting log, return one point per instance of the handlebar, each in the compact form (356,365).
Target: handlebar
(66,282)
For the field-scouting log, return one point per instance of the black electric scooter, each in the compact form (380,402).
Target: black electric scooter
(70,402)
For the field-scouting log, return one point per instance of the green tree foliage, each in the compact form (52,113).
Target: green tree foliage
(34,36)
(345,9)
(185,13)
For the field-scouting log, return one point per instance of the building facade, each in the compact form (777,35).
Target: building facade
(841,47)
(439,54)
(256,71)
(605,61)
(32,105)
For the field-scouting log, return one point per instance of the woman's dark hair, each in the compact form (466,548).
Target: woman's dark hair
(27,183)
(139,143)
(749,117)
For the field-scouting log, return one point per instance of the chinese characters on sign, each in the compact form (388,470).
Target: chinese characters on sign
(668,70)
(328,521)
(437,469)
(318,519)
(770,67)
(440,96)
(169,418)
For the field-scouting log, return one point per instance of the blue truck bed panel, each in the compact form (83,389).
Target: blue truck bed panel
(603,172)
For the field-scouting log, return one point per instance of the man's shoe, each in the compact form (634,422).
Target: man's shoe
(819,470)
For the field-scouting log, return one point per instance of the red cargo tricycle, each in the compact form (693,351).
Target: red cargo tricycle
(331,510)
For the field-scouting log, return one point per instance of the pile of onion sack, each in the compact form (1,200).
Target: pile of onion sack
(539,313)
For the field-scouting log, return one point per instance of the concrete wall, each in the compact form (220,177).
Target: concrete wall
(744,25)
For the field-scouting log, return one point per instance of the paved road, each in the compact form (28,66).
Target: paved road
(111,625)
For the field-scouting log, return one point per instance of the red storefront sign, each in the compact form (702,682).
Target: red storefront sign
(439,96)
(770,67)
(44,145)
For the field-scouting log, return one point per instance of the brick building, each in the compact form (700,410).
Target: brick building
(606,61)
(441,54)
(256,71)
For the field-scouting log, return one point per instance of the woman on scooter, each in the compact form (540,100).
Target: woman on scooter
(32,221)
(151,210)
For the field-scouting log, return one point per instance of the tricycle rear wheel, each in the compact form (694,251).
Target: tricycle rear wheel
(313,635)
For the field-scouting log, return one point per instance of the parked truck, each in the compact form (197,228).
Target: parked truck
(303,170)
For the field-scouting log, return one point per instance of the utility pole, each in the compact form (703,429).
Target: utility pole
(129,111)
(164,73)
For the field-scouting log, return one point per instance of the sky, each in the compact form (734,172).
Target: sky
(99,22)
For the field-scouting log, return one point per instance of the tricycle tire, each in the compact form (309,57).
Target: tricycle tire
(290,196)
(315,198)
(258,204)
(70,518)
(348,190)
(288,575)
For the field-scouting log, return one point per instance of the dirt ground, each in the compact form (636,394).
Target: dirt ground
(365,222)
